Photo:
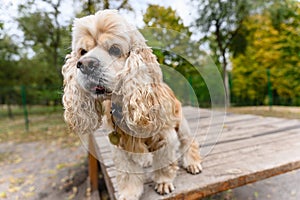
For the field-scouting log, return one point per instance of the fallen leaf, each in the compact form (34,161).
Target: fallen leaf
(71,196)
(20,170)
(61,166)
(88,192)
(75,189)
(18,160)
(28,194)
(3,195)
(14,189)
(51,171)
(31,189)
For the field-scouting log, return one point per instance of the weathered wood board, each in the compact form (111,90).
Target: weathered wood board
(250,148)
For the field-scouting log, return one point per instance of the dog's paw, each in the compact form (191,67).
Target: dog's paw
(164,188)
(132,191)
(130,195)
(194,168)
(123,197)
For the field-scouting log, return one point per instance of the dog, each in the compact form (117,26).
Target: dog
(112,78)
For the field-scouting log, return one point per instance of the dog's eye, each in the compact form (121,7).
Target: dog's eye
(82,52)
(115,51)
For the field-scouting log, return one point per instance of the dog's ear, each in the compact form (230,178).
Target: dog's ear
(148,103)
(81,111)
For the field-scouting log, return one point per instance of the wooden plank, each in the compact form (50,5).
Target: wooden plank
(251,148)
(241,147)
(95,195)
(93,165)
(99,154)
(108,182)
(243,134)
(225,153)
(239,169)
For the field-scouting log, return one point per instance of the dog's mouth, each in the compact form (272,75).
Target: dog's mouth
(100,90)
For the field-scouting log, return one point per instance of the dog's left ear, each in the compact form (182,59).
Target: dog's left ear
(148,104)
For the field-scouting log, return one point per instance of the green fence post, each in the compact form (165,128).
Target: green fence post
(270,90)
(23,94)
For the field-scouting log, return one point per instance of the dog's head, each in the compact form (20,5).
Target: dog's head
(111,56)
(103,43)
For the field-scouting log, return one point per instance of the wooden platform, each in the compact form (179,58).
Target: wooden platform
(251,148)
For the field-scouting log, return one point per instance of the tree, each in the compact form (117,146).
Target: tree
(220,21)
(91,6)
(273,44)
(171,42)
(44,34)
(8,70)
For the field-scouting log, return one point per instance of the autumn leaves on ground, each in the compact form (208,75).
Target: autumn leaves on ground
(45,162)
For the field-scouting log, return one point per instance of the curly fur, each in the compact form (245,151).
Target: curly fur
(82,111)
(148,104)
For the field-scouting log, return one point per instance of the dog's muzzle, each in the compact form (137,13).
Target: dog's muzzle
(87,65)
(92,80)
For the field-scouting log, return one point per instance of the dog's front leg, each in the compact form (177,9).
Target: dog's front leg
(165,163)
(189,148)
(130,176)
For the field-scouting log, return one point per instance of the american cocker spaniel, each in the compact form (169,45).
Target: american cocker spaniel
(112,78)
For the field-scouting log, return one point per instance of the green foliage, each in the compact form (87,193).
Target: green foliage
(273,43)
(44,35)
(8,64)
(255,35)
(221,21)
(172,44)
(161,17)
(92,6)
(37,60)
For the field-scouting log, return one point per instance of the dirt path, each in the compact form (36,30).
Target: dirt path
(40,170)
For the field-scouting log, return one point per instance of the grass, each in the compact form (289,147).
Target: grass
(45,124)
(275,111)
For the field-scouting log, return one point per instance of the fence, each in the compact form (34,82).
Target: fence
(23,101)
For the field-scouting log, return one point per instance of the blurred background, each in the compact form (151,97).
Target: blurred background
(254,44)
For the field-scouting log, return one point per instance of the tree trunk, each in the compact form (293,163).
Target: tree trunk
(9,111)
(57,40)
(224,62)
(226,79)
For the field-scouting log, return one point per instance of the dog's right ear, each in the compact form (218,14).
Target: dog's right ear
(81,111)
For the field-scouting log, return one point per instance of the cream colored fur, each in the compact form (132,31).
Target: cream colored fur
(152,127)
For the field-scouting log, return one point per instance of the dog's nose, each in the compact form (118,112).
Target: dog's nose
(87,65)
